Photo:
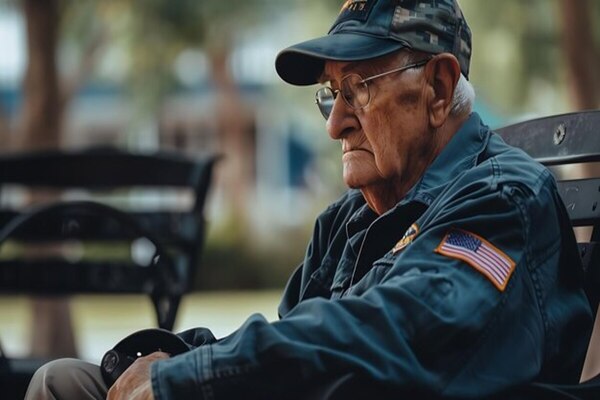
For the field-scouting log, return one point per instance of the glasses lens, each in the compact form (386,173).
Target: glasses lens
(355,91)
(325,99)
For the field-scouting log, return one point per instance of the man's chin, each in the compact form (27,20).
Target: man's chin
(360,171)
(351,185)
(354,182)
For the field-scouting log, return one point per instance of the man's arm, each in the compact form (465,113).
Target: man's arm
(419,328)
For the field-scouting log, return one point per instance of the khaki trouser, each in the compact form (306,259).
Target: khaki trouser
(67,379)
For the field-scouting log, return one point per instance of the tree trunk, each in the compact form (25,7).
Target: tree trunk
(40,127)
(237,142)
(580,52)
(42,106)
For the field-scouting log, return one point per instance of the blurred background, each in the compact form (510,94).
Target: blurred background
(198,77)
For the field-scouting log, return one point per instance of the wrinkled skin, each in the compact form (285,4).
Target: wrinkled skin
(388,145)
(135,383)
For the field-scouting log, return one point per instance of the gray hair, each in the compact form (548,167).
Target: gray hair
(464,97)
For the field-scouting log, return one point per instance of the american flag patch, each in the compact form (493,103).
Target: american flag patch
(480,254)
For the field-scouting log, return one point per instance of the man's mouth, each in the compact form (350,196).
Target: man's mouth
(354,149)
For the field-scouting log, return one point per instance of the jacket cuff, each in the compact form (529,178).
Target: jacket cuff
(183,376)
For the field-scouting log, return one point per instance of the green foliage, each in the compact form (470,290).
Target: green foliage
(149,35)
(518,64)
(234,259)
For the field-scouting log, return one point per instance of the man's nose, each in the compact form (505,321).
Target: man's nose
(341,120)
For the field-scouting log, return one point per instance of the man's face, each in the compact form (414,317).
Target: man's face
(388,141)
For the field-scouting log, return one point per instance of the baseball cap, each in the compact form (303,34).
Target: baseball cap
(366,29)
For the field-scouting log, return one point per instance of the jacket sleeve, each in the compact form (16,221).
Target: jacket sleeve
(417,328)
(197,336)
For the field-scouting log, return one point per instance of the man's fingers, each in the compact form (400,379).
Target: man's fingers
(135,382)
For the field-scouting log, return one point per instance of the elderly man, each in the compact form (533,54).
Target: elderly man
(448,269)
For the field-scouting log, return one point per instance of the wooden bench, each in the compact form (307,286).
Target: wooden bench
(110,222)
(163,246)
(175,236)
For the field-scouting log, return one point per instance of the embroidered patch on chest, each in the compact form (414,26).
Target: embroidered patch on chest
(407,239)
(480,254)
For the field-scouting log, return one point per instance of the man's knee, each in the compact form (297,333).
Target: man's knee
(67,378)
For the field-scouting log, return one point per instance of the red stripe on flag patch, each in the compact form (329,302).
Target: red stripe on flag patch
(480,254)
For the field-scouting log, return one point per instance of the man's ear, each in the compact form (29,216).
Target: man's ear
(442,72)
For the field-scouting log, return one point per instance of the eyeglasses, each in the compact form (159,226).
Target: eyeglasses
(354,90)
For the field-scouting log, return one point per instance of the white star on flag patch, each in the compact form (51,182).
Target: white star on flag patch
(480,254)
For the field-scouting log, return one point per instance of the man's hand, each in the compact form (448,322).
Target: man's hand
(135,383)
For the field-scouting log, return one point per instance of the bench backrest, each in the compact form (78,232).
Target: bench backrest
(572,141)
(161,247)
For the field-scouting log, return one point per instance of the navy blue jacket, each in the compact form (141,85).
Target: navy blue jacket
(470,285)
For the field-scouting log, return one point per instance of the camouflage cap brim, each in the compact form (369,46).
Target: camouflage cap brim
(303,63)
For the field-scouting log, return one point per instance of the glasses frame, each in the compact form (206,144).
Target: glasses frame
(326,111)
